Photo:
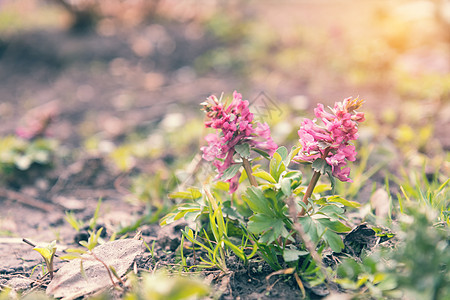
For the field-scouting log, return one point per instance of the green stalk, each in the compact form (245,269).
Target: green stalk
(312,183)
(248,170)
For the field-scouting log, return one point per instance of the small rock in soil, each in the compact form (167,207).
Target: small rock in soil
(19,283)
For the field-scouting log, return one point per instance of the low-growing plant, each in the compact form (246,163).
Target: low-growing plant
(30,149)
(367,278)
(417,188)
(88,254)
(163,286)
(421,260)
(79,224)
(48,254)
(19,156)
(289,224)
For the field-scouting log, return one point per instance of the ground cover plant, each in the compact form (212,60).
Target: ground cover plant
(122,178)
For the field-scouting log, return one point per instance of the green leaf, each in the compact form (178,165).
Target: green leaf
(47,252)
(343,201)
(334,225)
(293,254)
(236,250)
(84,244)
(294,152)
(320,165)
(310,228)
(230,172)
(243,150)
(282,151)
(332,211)
(259,223)
(72,250)
(256,200)
(76,224)
(93,221)
(276,166)
(271,227)
(295,175)
(320,188)
(334,240)
(286,186)
(264,175)
(113,270)
(191,193)
(70,256)
(262,153)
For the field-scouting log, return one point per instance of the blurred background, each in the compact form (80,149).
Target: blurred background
(127,75)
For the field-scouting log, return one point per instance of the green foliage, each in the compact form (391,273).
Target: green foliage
(82,254)
(73,221)
(220,243)
(368,277)
(90,244)
(48,253)
(263,217)
(18,156)
(79,224)
(416,188)
(271,220)
(421,259)
(415,265)
(162,286)
(190,210)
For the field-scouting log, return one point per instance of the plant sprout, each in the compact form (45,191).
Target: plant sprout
(48,253)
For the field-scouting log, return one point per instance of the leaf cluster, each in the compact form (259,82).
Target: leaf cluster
(18,155)
(261,219)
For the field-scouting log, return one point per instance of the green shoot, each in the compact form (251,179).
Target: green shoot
(48,253)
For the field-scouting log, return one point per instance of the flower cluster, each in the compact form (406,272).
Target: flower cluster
(234,125)
(331,141)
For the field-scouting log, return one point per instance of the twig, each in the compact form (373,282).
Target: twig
(302,237)
(25,199)
(107,269)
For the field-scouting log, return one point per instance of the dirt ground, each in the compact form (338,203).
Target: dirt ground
(101,87)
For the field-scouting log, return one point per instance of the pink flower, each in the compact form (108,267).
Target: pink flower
(234,125)
(331,141)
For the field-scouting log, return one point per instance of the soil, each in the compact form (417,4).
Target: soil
(102,87)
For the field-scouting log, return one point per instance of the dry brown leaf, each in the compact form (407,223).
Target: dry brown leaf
(69,283)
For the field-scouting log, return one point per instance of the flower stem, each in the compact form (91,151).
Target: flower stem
(248,170)
(312,183)
(302,237)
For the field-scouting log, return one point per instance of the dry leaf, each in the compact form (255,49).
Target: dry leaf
(69,283)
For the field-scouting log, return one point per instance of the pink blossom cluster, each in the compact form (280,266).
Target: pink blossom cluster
(234,125)
(331,141)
